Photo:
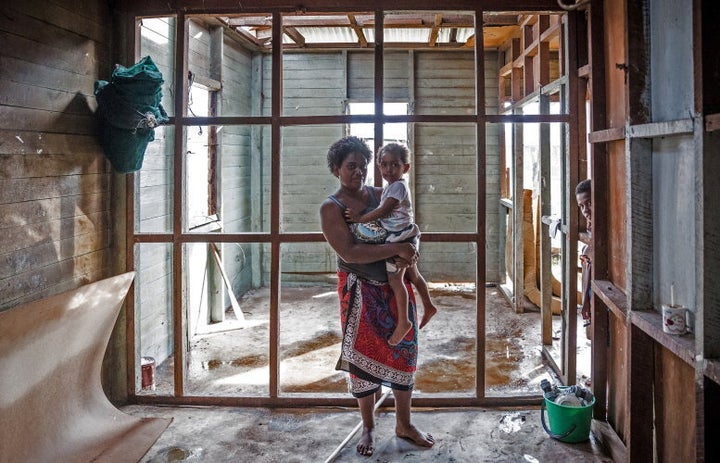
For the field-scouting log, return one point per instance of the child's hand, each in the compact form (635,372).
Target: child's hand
(351,216)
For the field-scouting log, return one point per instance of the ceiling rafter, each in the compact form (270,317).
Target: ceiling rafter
(358,31)
(294,35)
(432,41)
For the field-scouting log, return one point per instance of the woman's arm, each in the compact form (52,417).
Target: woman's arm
(337,234)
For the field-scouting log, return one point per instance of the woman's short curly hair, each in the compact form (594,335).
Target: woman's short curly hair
(342,148)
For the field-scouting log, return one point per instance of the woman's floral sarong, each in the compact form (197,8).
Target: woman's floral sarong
(368,313)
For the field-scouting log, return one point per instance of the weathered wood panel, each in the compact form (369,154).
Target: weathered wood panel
(674,260)
(617,214)
(54,180)
(157,40)
(616,59)
(675,408)
(313,84)
(671,60)
(153,295)
(306,180)
(617,375)
(445,83)
(198,49)
(154,185)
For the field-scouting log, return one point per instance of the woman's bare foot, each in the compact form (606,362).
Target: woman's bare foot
(366,444)
(428,312)
(415,435)
(401,330)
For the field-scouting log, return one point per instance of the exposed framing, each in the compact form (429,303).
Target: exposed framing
(274,237)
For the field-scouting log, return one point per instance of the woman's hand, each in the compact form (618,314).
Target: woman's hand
(407,256)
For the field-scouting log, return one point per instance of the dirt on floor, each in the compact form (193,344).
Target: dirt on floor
(231,358)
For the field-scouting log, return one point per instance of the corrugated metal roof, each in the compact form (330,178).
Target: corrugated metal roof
(414,29)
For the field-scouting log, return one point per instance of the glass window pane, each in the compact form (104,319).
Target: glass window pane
(227,305)
(154,368)
(154,185)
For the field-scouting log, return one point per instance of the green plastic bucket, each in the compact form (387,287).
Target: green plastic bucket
(567,424)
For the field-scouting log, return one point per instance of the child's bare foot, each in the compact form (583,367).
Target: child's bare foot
(428,312)
(415,435)
(366,444)
(401,330)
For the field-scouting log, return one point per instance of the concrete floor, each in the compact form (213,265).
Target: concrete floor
(223,434)
(221,362)
(231,360)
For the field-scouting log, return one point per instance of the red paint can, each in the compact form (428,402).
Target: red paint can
(147,367)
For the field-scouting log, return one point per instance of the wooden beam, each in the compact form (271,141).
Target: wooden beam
(612,296)
(661,129)
(358,31)
(296,36)
(480,217)
(181,98)
(158,7)
(576,97)
(545,244)
(599,173)
(608,438)
(712,122)
(607,135)
(432,41)
(650,322)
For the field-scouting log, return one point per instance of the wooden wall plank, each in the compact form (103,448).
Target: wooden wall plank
(641,369)
(26,236)
(674,408)
(29,212)
(27,189)
(617,378)
(54,179)
(639,195)
(47,252)
(13,289)
(51,121)
(93,28)
(13,142)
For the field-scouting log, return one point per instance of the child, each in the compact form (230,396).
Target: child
(395,215)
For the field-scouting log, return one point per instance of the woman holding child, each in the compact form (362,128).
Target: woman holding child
(368,305)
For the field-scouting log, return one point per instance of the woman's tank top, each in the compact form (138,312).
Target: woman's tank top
(375,270)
